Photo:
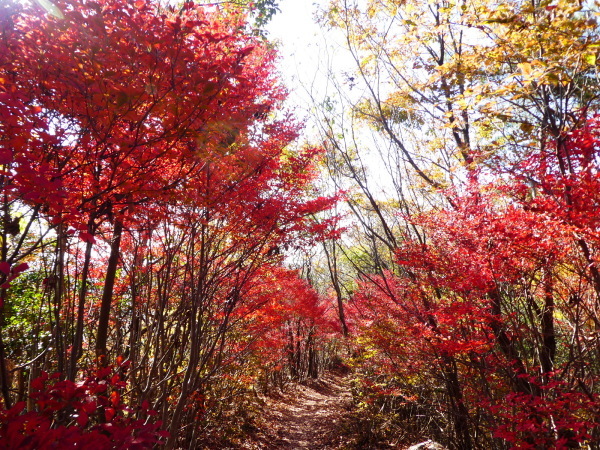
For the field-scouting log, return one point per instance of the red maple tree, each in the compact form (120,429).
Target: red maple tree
(146,143)
(498,304)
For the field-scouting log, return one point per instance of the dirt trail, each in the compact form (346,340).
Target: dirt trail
(308,415)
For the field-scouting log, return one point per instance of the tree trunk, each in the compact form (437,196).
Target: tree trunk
(460,412)
(516,368)
(78,340)
(335,281)
(3,371)
(59,288)
(548,351)
(107,293)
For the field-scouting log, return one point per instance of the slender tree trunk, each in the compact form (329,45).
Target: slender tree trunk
(78,340)
(59,290)
(517,367)
(591,263)
(460,412)
(107,294)
(313,368)
(548,351)
(291,351)
(335,281)
(4,383)
(3,371)
(195,338)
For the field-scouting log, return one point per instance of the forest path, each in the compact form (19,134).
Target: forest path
(308,415)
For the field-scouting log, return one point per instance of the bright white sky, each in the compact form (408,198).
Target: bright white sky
(304,47)
(309,54)
(296,31)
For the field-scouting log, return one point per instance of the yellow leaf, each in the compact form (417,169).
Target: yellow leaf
(526,127)
(525,68)
(590,58)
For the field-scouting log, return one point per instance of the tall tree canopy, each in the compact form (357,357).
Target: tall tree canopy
(148,177)
(474,275)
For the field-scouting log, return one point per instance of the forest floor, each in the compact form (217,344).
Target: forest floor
(307,416)
(317,415)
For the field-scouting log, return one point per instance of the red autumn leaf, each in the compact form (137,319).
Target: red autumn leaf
(115,398)
(87,237)
(109,414)
(82,419)
(16,270)
(89,407)
(5,267)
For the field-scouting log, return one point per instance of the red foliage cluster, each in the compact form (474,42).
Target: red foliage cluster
(88,414)
(561,418)
(113,106)
(145,148)
(500,305)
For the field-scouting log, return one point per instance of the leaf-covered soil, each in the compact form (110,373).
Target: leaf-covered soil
(317,415)
(307,415)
